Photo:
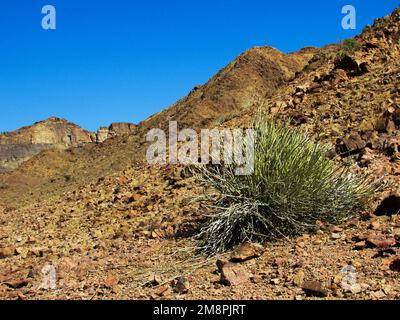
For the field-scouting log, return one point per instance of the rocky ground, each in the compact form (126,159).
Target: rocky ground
(130,237)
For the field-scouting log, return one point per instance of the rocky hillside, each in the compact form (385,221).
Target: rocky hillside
(114,227)
(252,77)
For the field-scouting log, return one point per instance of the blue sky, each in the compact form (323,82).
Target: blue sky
(123,60)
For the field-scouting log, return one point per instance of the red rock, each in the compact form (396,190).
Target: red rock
(122,180)
(162,290)
(111,282)
(134,197)
(376,241)
(233,274)
(375,225)
(368,155)
(31,240)
(352,145)
(120,128)
(21,296)
(353,223)
(320,225)
(39,252)
(247,251)
(256,279)
(360,245)
(385,264)
(335,229)
(361,237)
(18,251)
(280,262)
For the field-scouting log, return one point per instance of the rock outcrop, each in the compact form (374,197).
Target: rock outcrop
(115,129)
(18,146)
(54,133)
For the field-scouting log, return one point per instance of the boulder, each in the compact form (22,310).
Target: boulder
(353,144)
(247,251)
(233,274)
(376,241)
(351,66)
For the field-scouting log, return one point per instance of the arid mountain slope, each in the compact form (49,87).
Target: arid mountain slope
(253,76)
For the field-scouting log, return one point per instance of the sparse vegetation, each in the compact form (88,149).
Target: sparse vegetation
(292,187)
(348,46)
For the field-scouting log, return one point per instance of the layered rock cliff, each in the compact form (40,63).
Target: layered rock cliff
(22,144)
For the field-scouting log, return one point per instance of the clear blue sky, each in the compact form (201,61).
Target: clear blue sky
(123,60)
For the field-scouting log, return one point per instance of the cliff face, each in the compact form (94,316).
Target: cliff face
(18,146)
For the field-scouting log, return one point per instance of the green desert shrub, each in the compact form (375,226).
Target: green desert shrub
(348,46)
(293,185)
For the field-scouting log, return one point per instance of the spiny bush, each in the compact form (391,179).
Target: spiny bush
(293,185)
